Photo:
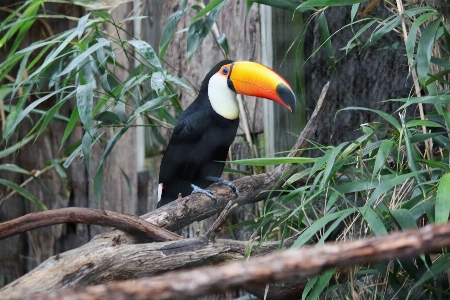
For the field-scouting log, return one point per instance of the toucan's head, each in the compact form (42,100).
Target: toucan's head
(246,78)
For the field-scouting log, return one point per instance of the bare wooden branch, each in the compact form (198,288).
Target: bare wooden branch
(211,233)
(128,223)
(282,265)
(96,261)
(103,260)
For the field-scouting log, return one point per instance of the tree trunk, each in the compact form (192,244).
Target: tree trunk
(369,76)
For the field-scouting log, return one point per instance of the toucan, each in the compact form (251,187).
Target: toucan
(196,154)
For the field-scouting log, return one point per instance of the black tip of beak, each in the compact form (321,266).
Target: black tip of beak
(286,95)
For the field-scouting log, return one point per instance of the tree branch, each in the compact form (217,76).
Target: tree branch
(102,258)
(282,265)
(128,223)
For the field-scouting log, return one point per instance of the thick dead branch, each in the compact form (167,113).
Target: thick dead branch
(103,260)
(128,223)
(282,265)
(99,261)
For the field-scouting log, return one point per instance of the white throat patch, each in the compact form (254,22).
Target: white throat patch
(222,98)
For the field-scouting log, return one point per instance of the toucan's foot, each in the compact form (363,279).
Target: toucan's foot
(223,181)
(197,190)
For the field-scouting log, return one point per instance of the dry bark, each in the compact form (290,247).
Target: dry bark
(282,265)
(115,255)
(128,223)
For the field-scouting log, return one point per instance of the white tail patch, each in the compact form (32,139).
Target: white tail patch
(160,188)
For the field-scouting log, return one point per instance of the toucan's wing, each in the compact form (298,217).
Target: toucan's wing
(190,128)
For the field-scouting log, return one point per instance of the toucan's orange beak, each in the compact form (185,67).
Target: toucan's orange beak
(253,79)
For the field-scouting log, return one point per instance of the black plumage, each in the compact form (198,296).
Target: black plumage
(198,146)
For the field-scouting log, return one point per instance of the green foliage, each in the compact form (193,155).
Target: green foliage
(394,177)
(76,64)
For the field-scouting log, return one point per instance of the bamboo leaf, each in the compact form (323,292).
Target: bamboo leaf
(108,118)
(384,28)
(50,114)
(85,102)
(326,39)
(27,110)
(382,114)
(72,156)
(373,220)
(147,52)
(14,168)
(383,152)
(283,4)
(439,266)
(314,3)
(330,163)
(309,286)
(412,35)
(82,25)
(71,124)
(200,28)
(23,192)
(321,284)
(15,147)
(424,48)
(150,105)
(404,218)
(111,143)
(357,34)
(211,5)
(169,28)
(273,161)
(389,184)
(78,60)
(427,123)
(86,144)
(318,225)
(442,200)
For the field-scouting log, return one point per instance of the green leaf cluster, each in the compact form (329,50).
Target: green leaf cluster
(74,67)
(395,176)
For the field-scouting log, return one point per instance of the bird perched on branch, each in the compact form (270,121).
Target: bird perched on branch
(198,148)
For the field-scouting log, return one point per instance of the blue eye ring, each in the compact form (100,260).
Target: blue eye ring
(225,71)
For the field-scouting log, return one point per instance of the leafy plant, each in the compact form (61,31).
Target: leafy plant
(394,176)
(75,64)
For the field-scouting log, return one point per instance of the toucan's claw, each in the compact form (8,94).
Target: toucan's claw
(223,181)
(197,190)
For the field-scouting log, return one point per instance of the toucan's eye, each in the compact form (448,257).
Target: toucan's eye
(225,70)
